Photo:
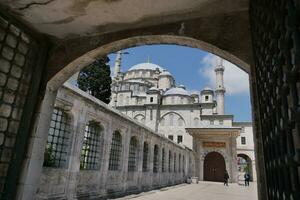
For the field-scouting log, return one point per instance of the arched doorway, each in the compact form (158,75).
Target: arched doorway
(244,163)
(214,167)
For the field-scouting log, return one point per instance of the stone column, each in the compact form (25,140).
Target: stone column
(126,141)
(140,160)
(233,156)
(108,131)
(77,136)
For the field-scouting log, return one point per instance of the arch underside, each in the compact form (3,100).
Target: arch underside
(77,64)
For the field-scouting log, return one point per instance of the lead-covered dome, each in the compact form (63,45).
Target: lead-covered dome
(176,91)
(146,66)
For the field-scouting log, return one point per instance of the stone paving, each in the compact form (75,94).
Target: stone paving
(201,191)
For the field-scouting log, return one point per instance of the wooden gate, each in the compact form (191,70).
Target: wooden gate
(214,167)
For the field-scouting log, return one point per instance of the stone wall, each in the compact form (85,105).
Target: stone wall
(71,182)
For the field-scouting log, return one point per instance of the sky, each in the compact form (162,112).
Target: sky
(194,68)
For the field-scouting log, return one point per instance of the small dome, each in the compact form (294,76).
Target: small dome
(154,89)
(146,66)
(176,91)
(207,90)
(181,86)
(194,93)
(165,73)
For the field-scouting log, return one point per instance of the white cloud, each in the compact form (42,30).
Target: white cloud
(236,81)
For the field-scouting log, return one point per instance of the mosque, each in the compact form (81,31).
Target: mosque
(148,93)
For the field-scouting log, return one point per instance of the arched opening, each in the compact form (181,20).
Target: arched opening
(275,69)
(244,165)
(214,167)
(173,119)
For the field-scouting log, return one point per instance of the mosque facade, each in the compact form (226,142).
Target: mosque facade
(149,94)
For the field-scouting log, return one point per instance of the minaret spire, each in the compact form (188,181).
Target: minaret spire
(220,89)
(118,63)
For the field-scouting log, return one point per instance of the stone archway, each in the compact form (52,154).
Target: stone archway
(214,167)
(245,165)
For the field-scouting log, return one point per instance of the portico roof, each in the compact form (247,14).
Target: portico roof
(214,131)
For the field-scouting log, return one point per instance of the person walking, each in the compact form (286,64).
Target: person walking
(226,177)
(247,178)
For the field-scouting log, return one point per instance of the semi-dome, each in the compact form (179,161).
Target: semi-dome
(176,91)
(146,66)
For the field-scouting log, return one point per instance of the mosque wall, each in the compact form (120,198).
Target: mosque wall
(141,160)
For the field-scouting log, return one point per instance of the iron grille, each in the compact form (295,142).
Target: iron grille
(183,164)
(170,161)
(275,33)
(174,165)
(115,152)
(17,57)
(145,156)
(132,154)
(155,159)
(179,163)
(90,152)
(58,140)
(163,169)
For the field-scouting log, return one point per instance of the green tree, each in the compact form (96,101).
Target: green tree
(96,79)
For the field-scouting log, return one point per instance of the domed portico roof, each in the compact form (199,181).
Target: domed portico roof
(146,66)
(176,91)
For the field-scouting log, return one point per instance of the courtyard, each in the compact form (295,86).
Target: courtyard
(201,191)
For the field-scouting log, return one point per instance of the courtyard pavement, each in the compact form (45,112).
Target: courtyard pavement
(201,191)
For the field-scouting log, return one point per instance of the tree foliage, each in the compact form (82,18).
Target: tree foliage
(96,79)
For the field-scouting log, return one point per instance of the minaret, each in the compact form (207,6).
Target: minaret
(220,89)
(118,63)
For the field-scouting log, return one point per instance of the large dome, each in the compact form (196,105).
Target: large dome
(177,91)
(146,66)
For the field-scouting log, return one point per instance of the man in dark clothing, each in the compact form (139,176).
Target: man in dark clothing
(247,178)
(226,177)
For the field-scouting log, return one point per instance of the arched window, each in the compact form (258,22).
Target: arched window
(145,156)
(179,163)
(181,100)
(174,163)
(171,116)
(90,151)
(155,159)
(163,169)
(115,151)
(58,140)
(183,163)
(170,161)
(172,100)
(196,121)
(180,122)
(132,154)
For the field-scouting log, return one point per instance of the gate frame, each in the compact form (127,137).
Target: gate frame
(30,106)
